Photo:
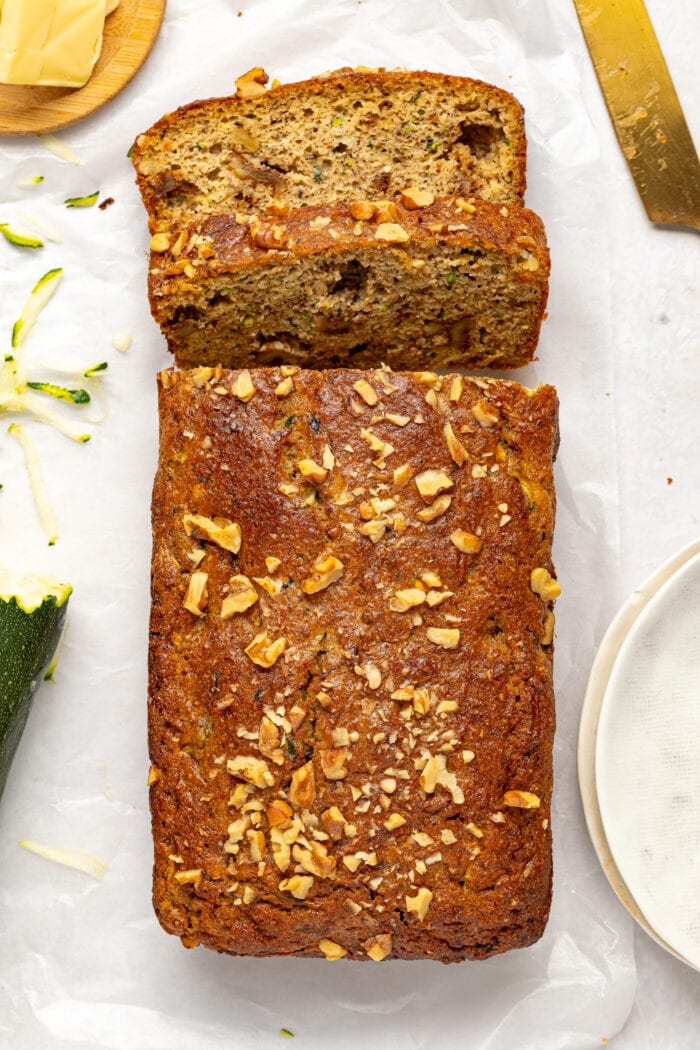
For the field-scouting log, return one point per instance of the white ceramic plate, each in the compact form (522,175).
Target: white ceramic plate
(639,755)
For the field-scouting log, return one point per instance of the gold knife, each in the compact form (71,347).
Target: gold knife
(644,108)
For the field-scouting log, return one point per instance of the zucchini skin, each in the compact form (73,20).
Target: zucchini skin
(28,642)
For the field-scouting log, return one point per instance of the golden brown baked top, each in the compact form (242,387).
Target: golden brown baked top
(439,283)
(351,709)
(340,136)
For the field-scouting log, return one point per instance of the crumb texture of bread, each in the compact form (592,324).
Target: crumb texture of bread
(341,136)
(350,705)
(453,284)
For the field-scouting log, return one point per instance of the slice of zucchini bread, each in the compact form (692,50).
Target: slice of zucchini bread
(455,283)
(351,708)
(345,135)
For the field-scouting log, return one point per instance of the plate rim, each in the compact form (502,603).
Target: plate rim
(598,680)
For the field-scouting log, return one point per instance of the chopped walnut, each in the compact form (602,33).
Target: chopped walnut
(373,676)
(278,812)
(236,832)
(420,903)
(302,789)
(413,199)
(435,598)
(466,542)
(333,763)
(269,737)
(270,586)
(544,585)
(331,950)
(253,770)
(366,391)
(385,212)
(392,233)
(263,651)
(242,387)
(311,470)
(435,772)
(454,446)
(193,876)
(436,509)
(298,885)
(379,947)
(224,533)
(446,637)
(271,238)
(196,598)
(328,459)
(334,822)
(423,699)
(160,243)
(394,821)
(474,830)
(252,83)
(521,800)
(256,840)
(316,860)
(243,597)
(374,442)
(373,529)
(406,599)
(284,387)
(326,570)
(484,414)
(456,388)
(431,482)
(548,631)
(402,475)
(362,210)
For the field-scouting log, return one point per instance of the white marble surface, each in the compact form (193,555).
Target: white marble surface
(621,344)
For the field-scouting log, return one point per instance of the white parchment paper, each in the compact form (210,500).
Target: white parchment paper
(84,964)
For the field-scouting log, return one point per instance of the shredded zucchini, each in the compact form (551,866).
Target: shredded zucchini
(59,149)
(20,238)
(82,202)
(62,393)
(70,858)
(39,296)
(36,480)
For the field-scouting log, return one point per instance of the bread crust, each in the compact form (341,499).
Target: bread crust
(486,706)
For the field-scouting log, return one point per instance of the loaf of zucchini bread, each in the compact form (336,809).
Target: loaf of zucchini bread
(450,283)
(351,709)
(346,135)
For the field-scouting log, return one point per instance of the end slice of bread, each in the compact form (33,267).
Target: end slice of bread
(345,135)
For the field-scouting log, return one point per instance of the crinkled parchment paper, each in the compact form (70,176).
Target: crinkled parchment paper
(83,963)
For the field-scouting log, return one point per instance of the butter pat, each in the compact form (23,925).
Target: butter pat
(51,43)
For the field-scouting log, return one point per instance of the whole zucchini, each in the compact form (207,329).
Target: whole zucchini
(32,615)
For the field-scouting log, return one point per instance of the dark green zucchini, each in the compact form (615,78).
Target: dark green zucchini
(32,616)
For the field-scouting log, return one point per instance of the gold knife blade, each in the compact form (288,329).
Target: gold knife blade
(644,108)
